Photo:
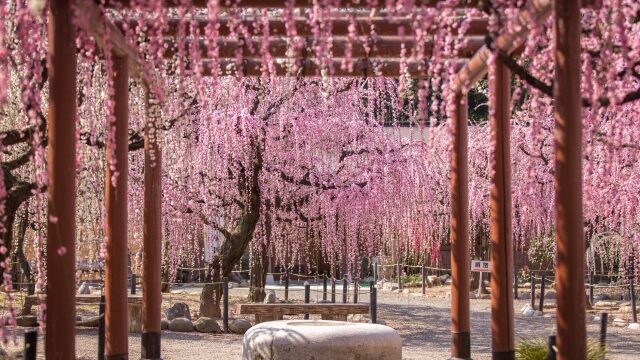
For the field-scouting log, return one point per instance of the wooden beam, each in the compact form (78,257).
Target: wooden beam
(277,27)
(310,67)
(386,47)
(299,3)
(93,22)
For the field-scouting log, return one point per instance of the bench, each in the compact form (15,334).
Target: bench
(271,312)
(134,308)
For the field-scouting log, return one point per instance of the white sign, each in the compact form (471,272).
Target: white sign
(480,266)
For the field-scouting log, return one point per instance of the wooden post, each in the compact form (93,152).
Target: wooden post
(30,344)
(460,259)
(133,284)
(632,290)
(344,290)
(424,280)
(116,265)
(373,302)
(533,291)
(61,220)
(286,285)
(101,336)
(399,277)
(570,320)
(324,286)
(502,335)
(333,290)
(591,287)
(307,295)
(551,348)
(225,304)
(542,285)
(604,318)
(152,236)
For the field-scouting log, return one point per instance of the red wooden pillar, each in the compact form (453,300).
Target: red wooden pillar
(571,337)
(460,259)
(502,336)
(61,224)
(152,261)
(116,325)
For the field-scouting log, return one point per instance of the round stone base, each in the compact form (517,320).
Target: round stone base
(320,340)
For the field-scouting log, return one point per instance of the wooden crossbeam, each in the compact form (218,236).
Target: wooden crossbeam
(280,48)
(298,3)
(277,27)
(311,68)
(296,309)
(93,22)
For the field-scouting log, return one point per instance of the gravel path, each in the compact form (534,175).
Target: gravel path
(423,323)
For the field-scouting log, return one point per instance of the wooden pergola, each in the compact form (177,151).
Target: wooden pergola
(473,65)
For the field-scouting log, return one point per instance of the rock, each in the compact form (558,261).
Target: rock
(84,289)
(619,322)
(529,312)
(181,325)
(443,278)
(27,320)
(207,325)
(549,315)
(164,324)
(634,326)
(538,313)
(92,321)
(447,282)
(524,296)
(433,280)
(359,318)
(178,310)
(321,340)
(406,291)
(239,326)
(606,304)
(526,285)
(626,309)
(596,318)
(550,295)
(270,298)
(600,297)
(389,286)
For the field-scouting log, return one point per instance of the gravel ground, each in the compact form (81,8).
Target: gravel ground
(423,323)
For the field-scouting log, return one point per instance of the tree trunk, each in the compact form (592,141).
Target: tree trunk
(19,253)
(212,294)
(258,278)
(165,286)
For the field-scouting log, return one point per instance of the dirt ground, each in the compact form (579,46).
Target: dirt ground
(423,323)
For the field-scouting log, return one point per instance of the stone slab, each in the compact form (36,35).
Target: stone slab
(321,340)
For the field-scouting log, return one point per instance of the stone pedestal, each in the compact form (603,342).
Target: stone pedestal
(321,340)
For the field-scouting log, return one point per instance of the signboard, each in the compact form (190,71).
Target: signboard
(480,266)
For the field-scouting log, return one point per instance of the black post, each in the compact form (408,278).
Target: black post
(286,284)
(632,290)
(551,351)
(344,290)
(399,278)
(324,286)
(533,292)
(604,317)
(225,304)
(333,290)
(424,280)
(591,287)
(133,284)
(30,344)
(307,293)
(373,298)
(355,290)
(515,283)
(542,292)
(101,329)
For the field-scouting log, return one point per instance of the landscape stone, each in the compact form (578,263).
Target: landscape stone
(207,325)
(270,298)
(619,322)
(321,340)
(181,325)
(164,324)
(550,295)
(239,326)
(92,321)
(634,326)
(27,320)
(601,297)
(178,310)
(84,289)
(604,303)
(529,312)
